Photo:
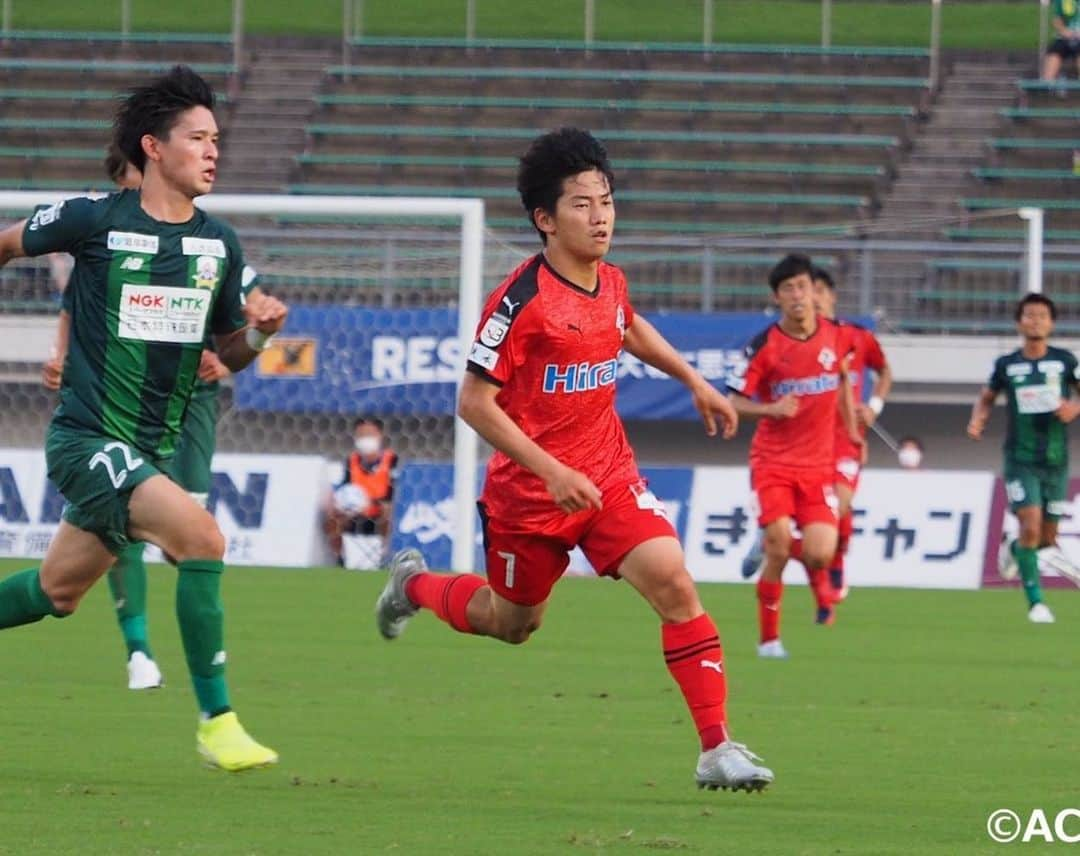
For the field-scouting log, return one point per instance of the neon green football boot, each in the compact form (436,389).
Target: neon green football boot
(223,743)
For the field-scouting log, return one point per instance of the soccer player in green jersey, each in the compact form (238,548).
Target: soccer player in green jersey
(190,467)
(152,275)
(1037,380)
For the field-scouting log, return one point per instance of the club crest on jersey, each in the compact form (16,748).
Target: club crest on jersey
(827,358)
(206,272)
(581,377)
(620,322)
(495,330)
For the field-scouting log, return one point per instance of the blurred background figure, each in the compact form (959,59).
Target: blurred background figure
(910,453)
(357,521)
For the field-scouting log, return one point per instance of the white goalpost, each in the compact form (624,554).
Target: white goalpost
(469,213)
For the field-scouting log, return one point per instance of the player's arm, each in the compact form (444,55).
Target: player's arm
(53,370)
(11,243)
(869,411)
(980,412)
(265,316)
(644,341)
(571,490)
(1069,408)
(782,408)
(846,407)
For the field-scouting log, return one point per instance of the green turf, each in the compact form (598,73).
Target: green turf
(964,24)
(894,732)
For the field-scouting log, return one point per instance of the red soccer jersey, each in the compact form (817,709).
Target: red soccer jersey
(778,364)
(866,353)
(553,348)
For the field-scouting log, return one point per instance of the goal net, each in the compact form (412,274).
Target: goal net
(383,295)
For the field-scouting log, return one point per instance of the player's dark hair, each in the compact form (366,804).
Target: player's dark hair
(1040,299)
(913,441)
(367,420)
(155,109)
(822,275)
(551,159)
(790,265)
(115,163)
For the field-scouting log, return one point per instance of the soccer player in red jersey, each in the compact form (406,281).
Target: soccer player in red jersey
(866,354)
(794,382)
(540,388)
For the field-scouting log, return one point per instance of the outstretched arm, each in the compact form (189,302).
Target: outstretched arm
(782,408)
(11,245)
(644,341)
(980,412)
(571,490)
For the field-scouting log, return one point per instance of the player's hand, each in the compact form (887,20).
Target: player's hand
(865,415)
(573,491)
(710,403)
(1068,411)
(785,408)
(52,373)
(211,368)
(265,313)
(975,429)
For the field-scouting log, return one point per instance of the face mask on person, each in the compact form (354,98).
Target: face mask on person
(367,445)
(910,457)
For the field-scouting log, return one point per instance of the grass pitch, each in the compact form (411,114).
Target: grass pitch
(896,731)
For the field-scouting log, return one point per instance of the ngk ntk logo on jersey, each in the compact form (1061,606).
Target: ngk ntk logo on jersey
(160,313)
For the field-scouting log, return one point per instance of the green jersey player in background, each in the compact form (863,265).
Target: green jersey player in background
(1037,380)
(153,274)
(190,467)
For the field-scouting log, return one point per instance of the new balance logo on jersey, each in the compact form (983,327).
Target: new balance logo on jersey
(579,378)
(713,664)
(815,385)
(132,263)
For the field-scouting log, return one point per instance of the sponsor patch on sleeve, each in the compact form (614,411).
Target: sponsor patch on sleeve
(483,356)
(495,330)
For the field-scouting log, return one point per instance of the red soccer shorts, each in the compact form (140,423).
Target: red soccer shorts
(806,496)
(848,470)
(523,566)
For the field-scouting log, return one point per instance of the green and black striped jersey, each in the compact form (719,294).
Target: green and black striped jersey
(142,297)
(1034,389)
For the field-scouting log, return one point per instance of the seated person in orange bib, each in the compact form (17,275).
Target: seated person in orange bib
(540,388)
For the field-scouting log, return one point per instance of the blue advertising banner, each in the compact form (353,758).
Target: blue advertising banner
(406,362)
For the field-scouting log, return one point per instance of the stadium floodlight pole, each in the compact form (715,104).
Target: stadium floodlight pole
(470,22)
(237,35)
(826,23)
(1044,23)
(1034,255)
(346,25)
(935,44)
(471,214)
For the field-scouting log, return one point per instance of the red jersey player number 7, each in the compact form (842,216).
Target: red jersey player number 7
(540,389)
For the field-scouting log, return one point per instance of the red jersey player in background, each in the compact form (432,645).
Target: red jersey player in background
(540,388)
(866,354)
(794,381)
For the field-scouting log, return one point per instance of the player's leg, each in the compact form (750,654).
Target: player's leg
(1051,66)
(76,559)
(1024,489)
(164,513)
(690,642)
(509,605)
(127,584)
(845,496)
(1055,488)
